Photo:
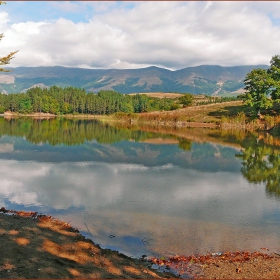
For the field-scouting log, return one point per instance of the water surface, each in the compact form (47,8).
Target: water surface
(143,192)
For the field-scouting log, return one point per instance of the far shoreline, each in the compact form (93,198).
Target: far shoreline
(110,118)
(230,115)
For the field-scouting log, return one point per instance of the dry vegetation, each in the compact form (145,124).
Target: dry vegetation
(229,265)
(206,115)
(226,115)
(160,94)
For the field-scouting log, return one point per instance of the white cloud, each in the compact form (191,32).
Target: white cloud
(95,185)
(168,34)
(4,19)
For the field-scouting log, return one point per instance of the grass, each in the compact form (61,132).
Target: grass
(171,95)
(210,114)
(232,114)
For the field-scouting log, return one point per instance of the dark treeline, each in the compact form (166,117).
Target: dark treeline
(70,100)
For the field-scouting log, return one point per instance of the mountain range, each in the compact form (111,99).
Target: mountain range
(204,79)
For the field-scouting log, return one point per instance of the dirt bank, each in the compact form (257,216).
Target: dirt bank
(34,246)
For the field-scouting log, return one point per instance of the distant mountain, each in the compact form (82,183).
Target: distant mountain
(205,79)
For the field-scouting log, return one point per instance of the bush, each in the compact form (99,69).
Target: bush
(174,106)
(186,100)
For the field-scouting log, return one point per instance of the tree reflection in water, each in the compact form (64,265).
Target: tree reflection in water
(60,131)
(260,158)
(261,164)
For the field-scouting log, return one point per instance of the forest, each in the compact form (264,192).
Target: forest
(70,100)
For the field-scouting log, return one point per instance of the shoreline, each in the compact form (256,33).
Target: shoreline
(223,116)
(111,119)
(39,246)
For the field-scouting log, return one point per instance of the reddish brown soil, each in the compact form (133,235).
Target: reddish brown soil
(230,265)
(34,246)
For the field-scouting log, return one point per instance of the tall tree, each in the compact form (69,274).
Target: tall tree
(258,85)
(262,87)
(274,72)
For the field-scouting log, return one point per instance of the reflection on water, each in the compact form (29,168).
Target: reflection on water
(60,131)
(144,192)
(261,164)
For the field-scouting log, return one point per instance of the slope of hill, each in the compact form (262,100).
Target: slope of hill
(205,79)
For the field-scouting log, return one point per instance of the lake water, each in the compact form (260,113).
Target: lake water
(188,191)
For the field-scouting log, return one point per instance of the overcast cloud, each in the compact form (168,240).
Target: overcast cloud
(172,35)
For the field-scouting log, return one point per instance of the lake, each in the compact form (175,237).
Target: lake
(146,190)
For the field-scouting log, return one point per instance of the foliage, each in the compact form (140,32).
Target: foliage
(70,100)
(274,72)
(258,85)
(186,99)
(174,106)
(262,87)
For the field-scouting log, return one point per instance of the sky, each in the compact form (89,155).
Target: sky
(128,35)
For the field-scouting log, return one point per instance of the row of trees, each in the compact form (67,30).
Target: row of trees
(262,87)
(70,100)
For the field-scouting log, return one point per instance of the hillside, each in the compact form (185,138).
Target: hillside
(205,79)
